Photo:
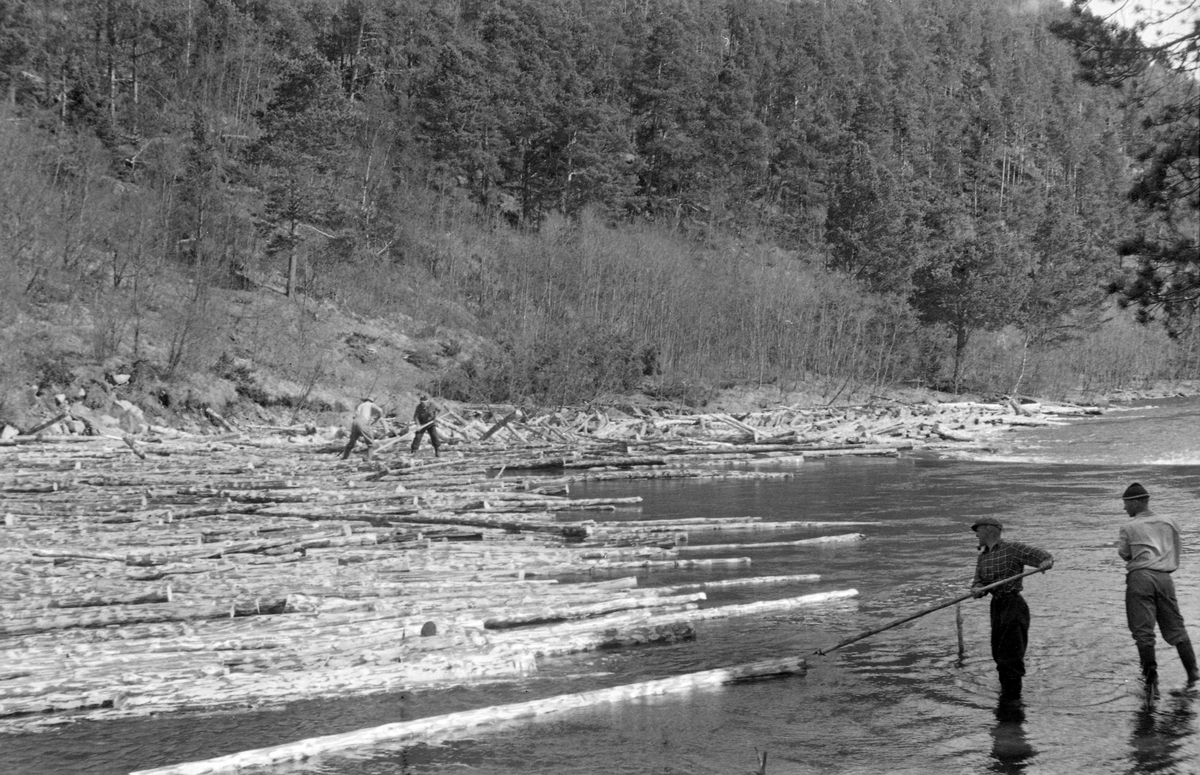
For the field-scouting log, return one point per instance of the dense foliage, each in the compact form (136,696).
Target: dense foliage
(1156,66)
(611,189)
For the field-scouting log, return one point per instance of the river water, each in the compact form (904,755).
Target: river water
(901,701)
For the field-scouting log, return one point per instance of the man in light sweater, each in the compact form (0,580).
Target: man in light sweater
(366,415)
(1150,544)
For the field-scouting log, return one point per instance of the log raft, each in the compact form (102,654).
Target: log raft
(167,572)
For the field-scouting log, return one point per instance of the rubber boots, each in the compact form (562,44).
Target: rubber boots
(1010,688)
(1187,655)
(1150,664)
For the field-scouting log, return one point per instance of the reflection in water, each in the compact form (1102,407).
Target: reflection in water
(1011,752)
(1159,734)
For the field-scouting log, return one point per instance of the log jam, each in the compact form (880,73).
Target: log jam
(168,572)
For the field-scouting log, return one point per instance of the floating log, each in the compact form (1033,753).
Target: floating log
(110,616)
(836,539)
(443,727)
(541,614)
(343,566)
(746,582)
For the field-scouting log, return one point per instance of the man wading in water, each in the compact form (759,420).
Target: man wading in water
(999,560)
(1149,544)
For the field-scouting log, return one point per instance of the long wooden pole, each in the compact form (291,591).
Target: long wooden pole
(388,444)
(919,614)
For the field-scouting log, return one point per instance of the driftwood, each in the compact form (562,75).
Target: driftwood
(229,569)
(46,424)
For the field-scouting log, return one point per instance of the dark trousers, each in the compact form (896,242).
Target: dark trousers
(357,432)
(1150,598)
(1010,636)
(433,438)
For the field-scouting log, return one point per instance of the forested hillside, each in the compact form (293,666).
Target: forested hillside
(561,199)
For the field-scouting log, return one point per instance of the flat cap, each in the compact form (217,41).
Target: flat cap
(987,521)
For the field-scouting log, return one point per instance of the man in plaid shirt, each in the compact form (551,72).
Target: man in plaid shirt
(999,560)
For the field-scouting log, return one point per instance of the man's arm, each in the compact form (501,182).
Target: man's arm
(1035,557)
(1123,545)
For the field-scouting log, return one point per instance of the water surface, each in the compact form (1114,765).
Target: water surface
(898,702)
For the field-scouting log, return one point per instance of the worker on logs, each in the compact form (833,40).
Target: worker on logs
(999,560)
(425,416)
(366,415)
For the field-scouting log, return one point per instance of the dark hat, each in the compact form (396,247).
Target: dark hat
(987,521)
(424,397)
(1135,491)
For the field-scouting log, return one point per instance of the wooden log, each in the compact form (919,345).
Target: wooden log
(615,461)
(43,425)
(218,420)
(227,527)
(737,424)
(746,582)
(765,606)
(517,617)
(133,445)
(721,524)
(660,564)
(441,727)
(110,616)
(88,601)
(836,539)
(952,435)
(875,450)
(503,422)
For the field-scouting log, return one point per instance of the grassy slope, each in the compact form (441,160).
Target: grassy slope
(254,356)
(258,357)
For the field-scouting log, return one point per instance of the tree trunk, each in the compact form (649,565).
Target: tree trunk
(961,335)
(292,260)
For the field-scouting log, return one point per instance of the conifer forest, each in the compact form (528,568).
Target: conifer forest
(608,195)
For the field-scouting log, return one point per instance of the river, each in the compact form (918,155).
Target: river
(901,701)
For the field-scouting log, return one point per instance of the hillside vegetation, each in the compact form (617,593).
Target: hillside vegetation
(293,204)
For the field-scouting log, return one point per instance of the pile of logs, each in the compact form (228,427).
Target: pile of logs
(169,572)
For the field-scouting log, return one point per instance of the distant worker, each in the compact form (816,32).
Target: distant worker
(999,560)
(1150,546)
(366,415)
(425,415)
